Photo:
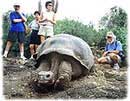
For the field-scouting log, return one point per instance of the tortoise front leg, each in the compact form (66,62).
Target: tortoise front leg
(64,75)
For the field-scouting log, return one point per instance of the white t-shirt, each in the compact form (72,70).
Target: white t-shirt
(33,25)
(49,16)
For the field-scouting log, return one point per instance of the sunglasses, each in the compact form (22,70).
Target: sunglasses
(16,6)
(49,5)
(108,37)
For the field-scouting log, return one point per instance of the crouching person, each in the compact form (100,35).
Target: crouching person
(112,50)
(34,37)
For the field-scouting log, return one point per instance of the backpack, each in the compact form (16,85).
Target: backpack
(121,53)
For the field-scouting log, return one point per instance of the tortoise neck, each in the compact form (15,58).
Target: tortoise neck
(55,62)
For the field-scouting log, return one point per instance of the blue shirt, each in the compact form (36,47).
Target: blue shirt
(116,45)
(16,26)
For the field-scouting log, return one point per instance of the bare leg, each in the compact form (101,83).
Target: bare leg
(42,38)
(114,57)
(21,47)
(32,50)
(8,45)
(35,48)
(102,60)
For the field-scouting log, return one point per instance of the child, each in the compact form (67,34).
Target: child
(34,38)
(46,22)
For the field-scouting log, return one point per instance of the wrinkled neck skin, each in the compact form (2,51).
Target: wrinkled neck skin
(55,62)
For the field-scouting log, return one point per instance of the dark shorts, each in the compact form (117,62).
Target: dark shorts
(34,37)
(13,36)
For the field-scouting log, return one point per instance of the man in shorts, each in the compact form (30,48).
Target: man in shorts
(16,31)
(46,22)
(111,53)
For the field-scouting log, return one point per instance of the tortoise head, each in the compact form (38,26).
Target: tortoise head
(48,67)
(46,77)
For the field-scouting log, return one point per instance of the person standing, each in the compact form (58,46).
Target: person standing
(34,37)
(46,22)
(16,31)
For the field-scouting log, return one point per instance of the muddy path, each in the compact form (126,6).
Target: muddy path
(103,82)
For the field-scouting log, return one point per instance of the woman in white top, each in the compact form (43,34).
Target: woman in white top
(34,37)
(46,22)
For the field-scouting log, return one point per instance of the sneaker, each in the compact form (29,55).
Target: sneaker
(116,66)
(22,57)
(4,56)
(31,58)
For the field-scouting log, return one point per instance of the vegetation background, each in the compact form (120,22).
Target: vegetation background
(115,20)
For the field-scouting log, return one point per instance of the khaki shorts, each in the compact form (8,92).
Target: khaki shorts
(46,31)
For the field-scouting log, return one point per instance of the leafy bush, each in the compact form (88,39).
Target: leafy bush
(117,23)
(72,27)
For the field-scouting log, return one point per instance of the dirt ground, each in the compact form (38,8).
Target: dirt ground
(102,83)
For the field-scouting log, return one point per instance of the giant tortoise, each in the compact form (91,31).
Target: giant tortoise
(62,58)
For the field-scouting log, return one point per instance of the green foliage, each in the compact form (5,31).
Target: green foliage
(121,34)
(117,17)
(5,27)
(30,18)
(86,32)
(115,21)
(6,22)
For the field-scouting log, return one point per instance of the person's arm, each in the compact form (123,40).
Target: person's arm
(42,19)
(17,20)
(23,17)
(13,18)
(104,53)
(41,16)
(109,51)
(114,51)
